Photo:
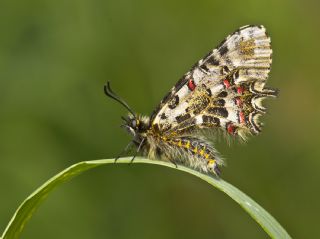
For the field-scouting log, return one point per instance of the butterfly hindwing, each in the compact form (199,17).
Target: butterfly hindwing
(223,90)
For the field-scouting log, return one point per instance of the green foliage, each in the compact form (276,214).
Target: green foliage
(28,207)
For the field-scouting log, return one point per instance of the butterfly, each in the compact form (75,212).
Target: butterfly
(223,92)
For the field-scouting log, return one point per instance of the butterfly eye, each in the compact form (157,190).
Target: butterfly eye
(134,123)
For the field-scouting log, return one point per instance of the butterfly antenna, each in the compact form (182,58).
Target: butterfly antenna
(111,94)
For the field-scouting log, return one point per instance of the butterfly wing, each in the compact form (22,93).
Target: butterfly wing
(223,90)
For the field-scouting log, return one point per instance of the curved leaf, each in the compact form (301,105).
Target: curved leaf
(30,204)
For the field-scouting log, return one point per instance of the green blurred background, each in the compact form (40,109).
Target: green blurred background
(55,57)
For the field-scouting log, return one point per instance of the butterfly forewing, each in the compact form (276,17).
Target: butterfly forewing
(223,90)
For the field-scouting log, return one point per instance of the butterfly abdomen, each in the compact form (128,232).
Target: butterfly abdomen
(200,154)
(188,151)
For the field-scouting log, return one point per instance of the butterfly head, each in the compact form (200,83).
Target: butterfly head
(135,124)
(131,124)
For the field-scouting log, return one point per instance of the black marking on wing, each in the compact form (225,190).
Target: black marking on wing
(174,102)
(226,69)
(204,67)
(180,83)
(223,50)
(183,117)
(253,122)
(209,92)
(208,119)
(222,94)
(213,61)
(219,102)
(163,116)
(220,111)
(236,75)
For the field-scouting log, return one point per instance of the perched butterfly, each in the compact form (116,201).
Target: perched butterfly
(222,92)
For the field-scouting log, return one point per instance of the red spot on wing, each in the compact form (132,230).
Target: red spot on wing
(240,90)
(230,128)
(226,83)
(241,117)
(191,85)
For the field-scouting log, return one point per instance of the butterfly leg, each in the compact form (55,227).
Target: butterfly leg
(213,167)
(123,151)
(172,161)
(138,149)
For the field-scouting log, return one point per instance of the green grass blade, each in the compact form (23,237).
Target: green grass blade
(29,205)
